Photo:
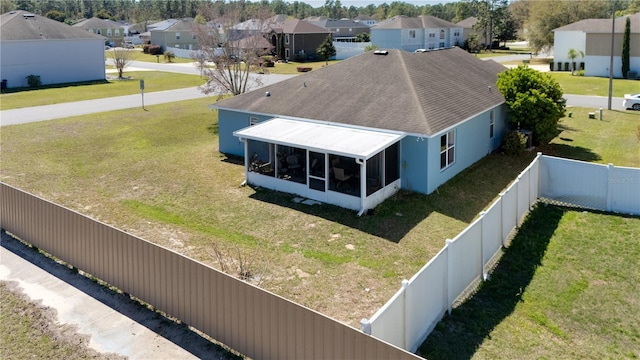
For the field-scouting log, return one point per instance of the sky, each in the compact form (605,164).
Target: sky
(362,3)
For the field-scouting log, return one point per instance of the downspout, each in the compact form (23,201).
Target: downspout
(363,184)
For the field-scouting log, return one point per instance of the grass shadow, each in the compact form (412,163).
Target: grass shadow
(570,152)
(459,335)
(461,198)
(54,86)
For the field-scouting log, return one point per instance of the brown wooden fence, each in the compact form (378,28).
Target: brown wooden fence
(252,321)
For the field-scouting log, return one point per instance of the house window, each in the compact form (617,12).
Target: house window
(456,33)
(447,149)
(99,32)
(108,32)
(492,124)
(441,34)
(193,36)
(350,30)
(117,32)
(412,34)
(432,35)
(286,54)
(337,30)
(441,44)
(432,46)
(286,39)
(91,31)
(177,36)
(253,120)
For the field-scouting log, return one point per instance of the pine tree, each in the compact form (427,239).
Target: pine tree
(625,48)
(326,49)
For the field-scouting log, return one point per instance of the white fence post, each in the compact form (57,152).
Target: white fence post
(483,275)
(608,185)
(449,299)
(365,326)
(405,329)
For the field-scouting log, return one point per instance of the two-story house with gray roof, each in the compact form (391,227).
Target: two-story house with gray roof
(112,31)
(174,33)
(418,120)
(341,29)
(296,39)
(422,32)
(56,52)
(593,38)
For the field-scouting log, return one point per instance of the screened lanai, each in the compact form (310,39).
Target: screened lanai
(350,167)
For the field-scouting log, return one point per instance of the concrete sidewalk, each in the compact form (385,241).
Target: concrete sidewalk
(114,322)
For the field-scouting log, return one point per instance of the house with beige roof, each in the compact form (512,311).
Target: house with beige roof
(58,53)
(418,120)
(593,38)
(112,31)
(422,32)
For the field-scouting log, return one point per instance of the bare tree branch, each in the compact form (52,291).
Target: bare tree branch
(122,57)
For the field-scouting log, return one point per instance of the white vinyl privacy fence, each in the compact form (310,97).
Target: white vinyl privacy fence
(412,313)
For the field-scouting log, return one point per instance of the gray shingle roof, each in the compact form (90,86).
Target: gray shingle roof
(595,26)
(96,23)
(23,25)
(420,22)
(419,93)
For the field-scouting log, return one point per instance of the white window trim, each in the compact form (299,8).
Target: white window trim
(286,39)
(449,145)
(177,36)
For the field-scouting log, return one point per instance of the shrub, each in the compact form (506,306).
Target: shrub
(514,143)
(169,56)
(303,68)
(34,80)
(152,49)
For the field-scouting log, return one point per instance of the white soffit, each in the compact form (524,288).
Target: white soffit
(339,140)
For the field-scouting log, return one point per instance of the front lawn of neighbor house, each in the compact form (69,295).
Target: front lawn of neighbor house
(56,94)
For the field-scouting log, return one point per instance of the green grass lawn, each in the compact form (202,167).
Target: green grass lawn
(589,85)
(154,81)
(565,289)
(158,174)
(614,139)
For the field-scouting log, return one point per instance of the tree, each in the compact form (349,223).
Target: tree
(534,100)
(625,47)
(122,58)
(489,13)
(363,37)
(56,15)
(572,55)
(234,54)
(545,16)
(326,49)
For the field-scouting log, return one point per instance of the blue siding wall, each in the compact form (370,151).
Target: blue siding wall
(387,38)
(472,143)
(228,122)
(413,164)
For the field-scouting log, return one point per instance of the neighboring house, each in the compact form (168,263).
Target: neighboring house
(467,29)
(255,26)
(297,39)
(593,38)
(410,34)
(343,30)
(174,33)
(367,20)
(112,31)
(418,120)
(59,53)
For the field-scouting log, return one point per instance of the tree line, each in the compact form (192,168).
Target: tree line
(532,20)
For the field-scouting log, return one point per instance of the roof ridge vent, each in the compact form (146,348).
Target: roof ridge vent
(381,52)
